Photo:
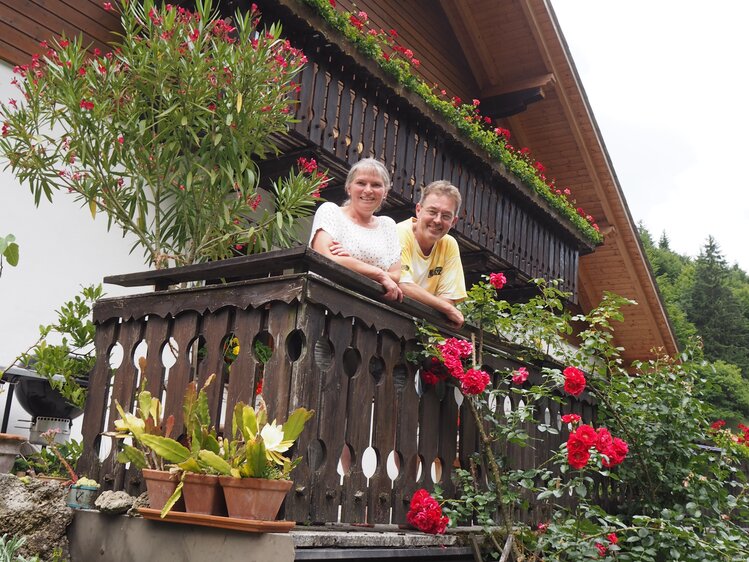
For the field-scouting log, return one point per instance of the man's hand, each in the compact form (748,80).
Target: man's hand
(454,316)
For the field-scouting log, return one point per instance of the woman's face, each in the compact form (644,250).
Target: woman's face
(366,191)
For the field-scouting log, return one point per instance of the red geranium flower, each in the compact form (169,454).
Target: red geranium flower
(574,381)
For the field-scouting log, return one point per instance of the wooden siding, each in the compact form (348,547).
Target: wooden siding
(423,28)
(25,23)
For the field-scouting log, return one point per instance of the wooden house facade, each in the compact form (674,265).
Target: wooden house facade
(333,338)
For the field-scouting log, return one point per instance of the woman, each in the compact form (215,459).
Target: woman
(352,236)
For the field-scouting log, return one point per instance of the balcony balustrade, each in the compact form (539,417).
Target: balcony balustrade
(335,349)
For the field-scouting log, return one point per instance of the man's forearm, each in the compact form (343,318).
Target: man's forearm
(420,294)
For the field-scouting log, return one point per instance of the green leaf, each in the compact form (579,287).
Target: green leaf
(172,500)
(294,425)
(168,449)
(215,462)
(130,454)
(256,458)
(11,254)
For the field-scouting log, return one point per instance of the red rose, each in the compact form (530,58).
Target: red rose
(574,443)
(497,280)
(425,513)
(578,458)
(603,441)
(473,382)
(601,549)
(571,418)
(587,434)
(617,452)
(574,381)
(520,375)
(613,539)
(717,424)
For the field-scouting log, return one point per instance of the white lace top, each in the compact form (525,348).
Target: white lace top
(377,246)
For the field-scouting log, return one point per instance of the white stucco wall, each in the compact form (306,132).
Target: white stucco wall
(61,249)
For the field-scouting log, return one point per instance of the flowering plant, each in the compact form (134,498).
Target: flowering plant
(156,449)
(256,451)
(425,513)
(162,133)
(645,444)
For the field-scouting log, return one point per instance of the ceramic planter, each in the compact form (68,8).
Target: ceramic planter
(203,494)
(10,446)
(161,485)
(254,498)
(82,497)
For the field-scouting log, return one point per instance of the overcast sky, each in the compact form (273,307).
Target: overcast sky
(667,83)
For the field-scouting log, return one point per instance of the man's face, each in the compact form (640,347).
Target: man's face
(434,219)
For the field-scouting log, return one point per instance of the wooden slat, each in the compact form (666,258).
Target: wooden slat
(247,324)
(214,331)
(360,396)
(383,431)
(325,497)
(306,384)
(184,332)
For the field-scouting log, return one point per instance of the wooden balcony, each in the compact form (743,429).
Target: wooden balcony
(349,109)
(336,349)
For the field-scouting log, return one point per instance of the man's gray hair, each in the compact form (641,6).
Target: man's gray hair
(442,187)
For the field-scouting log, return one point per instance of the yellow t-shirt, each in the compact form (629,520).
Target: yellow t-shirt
(440,273)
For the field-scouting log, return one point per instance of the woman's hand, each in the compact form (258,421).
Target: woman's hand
(392,290)
(337,249)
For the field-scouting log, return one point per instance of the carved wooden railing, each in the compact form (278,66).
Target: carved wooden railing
(348,109)
(336,349)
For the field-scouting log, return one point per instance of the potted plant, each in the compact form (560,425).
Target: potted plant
(45,462)
(198,461)
(258,480)
(147,420)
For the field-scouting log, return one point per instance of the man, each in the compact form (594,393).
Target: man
(431,270)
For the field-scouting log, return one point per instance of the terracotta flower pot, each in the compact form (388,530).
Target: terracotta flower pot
(202,494)
(254,498)
(161,485)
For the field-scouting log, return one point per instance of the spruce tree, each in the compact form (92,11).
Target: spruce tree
(715,311)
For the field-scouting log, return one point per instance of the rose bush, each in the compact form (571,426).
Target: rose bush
(669,496)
